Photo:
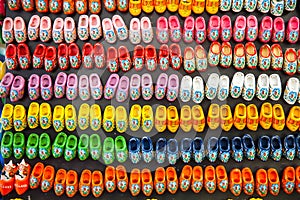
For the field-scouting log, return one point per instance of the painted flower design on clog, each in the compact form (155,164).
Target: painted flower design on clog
(163,36)
(214,34)
(160,157)
(172,186)
(264,155)
(122,156)
(135,189)
(110,186)
(290,186)
(97,190)
(236,188)
(160,187)
(44,153)
(276,155)
(197,186)
(224,157)
(185,184)
(176,35)
(188,36)
(250,154)
(45,185)
(70,189)
(33,182)
(135,157)
(290,154)
(200,36)
(224,184)
(212,156)
(122,33)
(263,189)
(249,187)
(57,152)
(59,189)
(172,158)
(198,157)
(275,188)
(186,157)
(225,5)
(210,185)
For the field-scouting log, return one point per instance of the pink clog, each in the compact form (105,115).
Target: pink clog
(200,29)
(213,29)
(60,85)
(175,28)
(189,29)
(96,86)
(239,28)
(292,31)
(58,30)
(8,30)
(34,87)
(111,86)
(83,27)
(135,87)
(45,29)
(72,84)
(69,30)
(5,84)
(226,28)
(162,31)
(123,88)
(46,87)
(161,86)
(20,30)
(173,86)
(84,88)
(95,27)
(265,30)
(17,89)
(34,27)
(147,86)
(278,30)
(252,28)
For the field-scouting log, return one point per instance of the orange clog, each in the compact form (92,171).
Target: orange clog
(160,180)
(288,180)
(97,183)
(274,182)
(85,182)
(36,175)
(7,178)
(185,177)
(22,178)
(210,179)
(261,182)
(172,180)
(122,178)
(48,178)
(135,182)
(222,178)
(235,183)
(298,179)
(147,183)
(110,179)
(60,182)
(71,183)
(197,179)
(248,181)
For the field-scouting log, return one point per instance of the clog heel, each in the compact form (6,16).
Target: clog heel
(83,116)
(95,117)
(213,120)
(70,117)
(32,146)
(173,119)
(122,178)
(210,179)
(110,179)
(261,182)
(252,117)
(172,180)
(265,119)
(197,179)
(19,118)
(161,118)
(274,182)
(71,183)
(7,144)
(85,182)
(135,182)
(160,180)
(185,178)
(36,175)
(109,118)
(97,183)
(60,182)
(7,116)
(288,180)
(222,178)
(47,178)
(248,181)
(235,183)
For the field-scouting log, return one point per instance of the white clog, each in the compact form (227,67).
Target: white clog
(249,87)
(223,89)
(262,87)
(275,87)
(186,88)
(291,91)
(198,89)
(236,86)
(212,86)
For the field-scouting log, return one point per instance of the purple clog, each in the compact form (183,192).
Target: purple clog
(96,86)
(5,84)
(161,86)
(17,89)
(122,92)
(84,88)
(147,86)
(111,86)
(60,85)
(135,87)
(34,87)
(72,87)
(46,87)
(173,85)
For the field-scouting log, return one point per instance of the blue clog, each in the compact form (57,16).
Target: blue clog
(198,150)
(186,149)
(263,149)
(172,150)
(298,146)
(249,147)
(237,149)
(224,153)
(161,150)
(147,149)
(276,148)
(134,146)
(212,149)
(289,147)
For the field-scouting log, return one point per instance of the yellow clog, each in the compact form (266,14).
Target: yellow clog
(7,116)
(2,69)
(20,120)
(135,7)
(212,6)
(95,117)
(135,117)
(252,117)
(185,8)
(148,6)
(59,118)
(121,119)
(70,117)
(83,116)
(147,118)
(278,122)
(161,118)
(33,115)
(109,118)
(213,116)
(226,117)
(198,118)
(173,119)
(160,5)
(186,121)
(293,120)
(240,116)
(45,115)
(198,6)
(172,5)
(265,117)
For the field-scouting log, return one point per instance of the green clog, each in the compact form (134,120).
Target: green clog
(59,144)
(19,145)
(108,155)
(7,144)
(71,147)
(44,146)
(95,146)
(83,147)
(32,146)
(121,149)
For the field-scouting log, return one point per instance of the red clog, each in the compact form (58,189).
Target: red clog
(36,175)
(7,178)
(50,61)
(22,178)
(138,57)
(163,57)
(124,58)
(24,57)
(99,55)
(175,56)
(63,56)
(112,60)
(38,56)
(74,56)
(11,57)
(87,55)
(150,58)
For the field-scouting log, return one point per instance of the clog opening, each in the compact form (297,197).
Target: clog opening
(213,144)
(273,176)
(196,113)
(58,25)
(84,142)
(44,109)
(278,112)
(172,146)
(33,140)
(251,22)
(237,144)
(253,111)
(262,177)
(88,50)
(146,24)
(214,21)
(135,177)
(38,170)
(136,112)
(276,51)
(18,23)
(135,25)
(94,21)
(226,49)
(189,54)
(186,145)
(61,140)
(50,53)
(22,50)
(94,141)
(210,174)
(7,111)
(175,50)
(71,143)
(248,143)
(197,173)
(239,52)
(69,24)
(247,176)
(107,25)
(240,23)
(44,141)
(6,139)
(236,176)
(267,23)
(216,48)
(186,113)
(69,112)
(108,145)
(173,23)
(162,23)
(224,144)
(16,83)
(215,111)
(147,113)
(160,175)
(265,143)
(139,51)
(7,25)
(226,22)
(171,175)
(86,178)
(294,23)
(135,81)
(71,179)
(10,51)
(119,143)
(146,176)
(197,144)
(187,172)
(60,177)
(290,175)
(291,55)
(290,142)
(113,81)
(147,81)
(162,81)
(73,50)
(224,111)
(151,52)
(296,112)
(250,80)
(33,83)
(241,111)
(83,21)
(109,172)
(96,178)
(276,143)
(161,145)
(279,25)
(267,110)
(17,112)
(265,51)
(133,145)
(121,173)
(221,173)
(224,82)
(47,173)
(95,80)
(200,53)
(146,144)
(7,80)
(189,23)
(274,81)
(121,113)
(173,82)
(250,49)
(45,23)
